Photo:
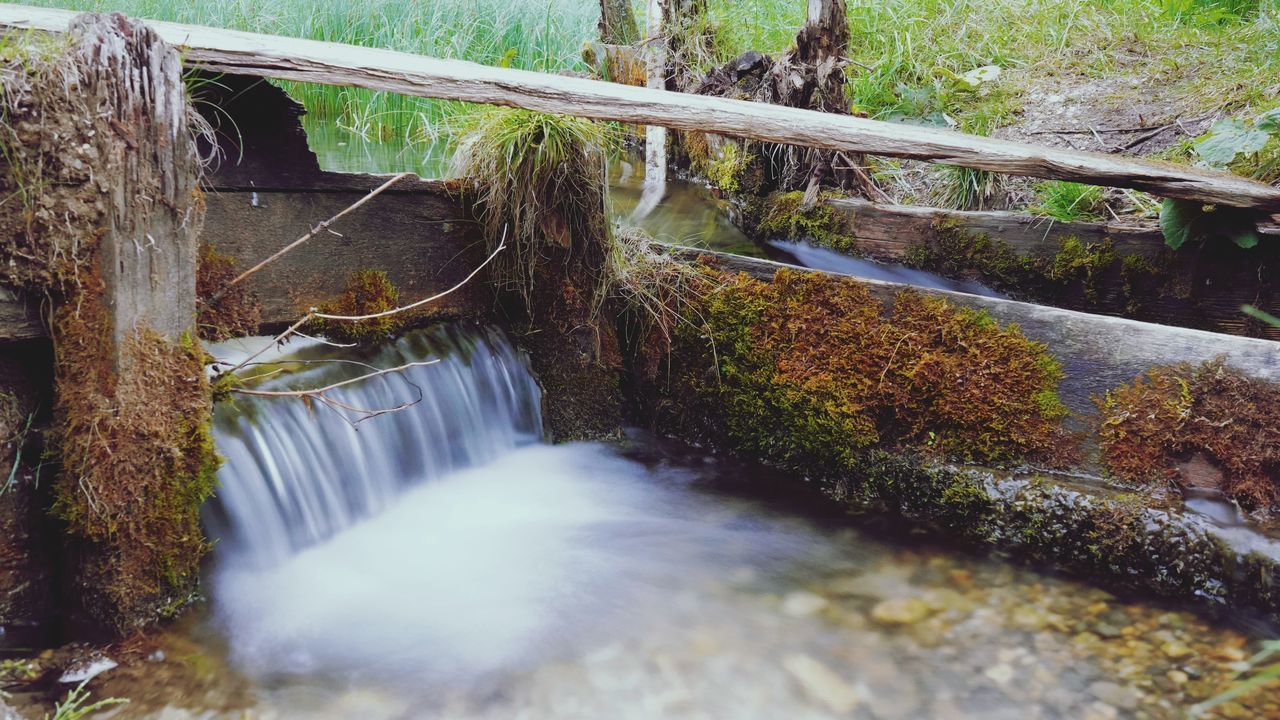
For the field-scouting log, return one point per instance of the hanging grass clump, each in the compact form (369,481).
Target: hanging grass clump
(540,189)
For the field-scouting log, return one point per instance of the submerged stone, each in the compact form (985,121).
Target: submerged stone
(900,611)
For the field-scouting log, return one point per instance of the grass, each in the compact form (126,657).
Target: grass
(905,54)
(77,706)
(529,34)
(539,181)
(1069,201)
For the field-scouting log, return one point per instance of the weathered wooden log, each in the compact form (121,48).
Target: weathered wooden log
(890,230)
(1109,268)
(335,64)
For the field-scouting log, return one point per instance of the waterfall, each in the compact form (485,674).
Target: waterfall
(297,473)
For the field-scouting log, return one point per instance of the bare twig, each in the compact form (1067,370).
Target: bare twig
(333,386)
(317,229)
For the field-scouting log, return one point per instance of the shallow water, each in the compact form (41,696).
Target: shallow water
(497,577)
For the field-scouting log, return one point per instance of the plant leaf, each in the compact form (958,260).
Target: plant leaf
(1269,121)
(1247,239)
(1184,221)
(1177,218)
(1228,139)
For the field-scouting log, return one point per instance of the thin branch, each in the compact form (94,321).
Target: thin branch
(320,391)
(278,339)
(316,230)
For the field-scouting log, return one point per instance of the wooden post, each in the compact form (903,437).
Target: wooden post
(618,23)
(110,171)
(655,137)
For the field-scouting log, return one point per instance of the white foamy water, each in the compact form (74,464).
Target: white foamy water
(525,559)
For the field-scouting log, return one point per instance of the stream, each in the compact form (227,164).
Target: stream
(444,562)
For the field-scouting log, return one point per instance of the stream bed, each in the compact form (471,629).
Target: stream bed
(442,562)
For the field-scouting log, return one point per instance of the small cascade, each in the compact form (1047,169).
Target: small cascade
(298,473)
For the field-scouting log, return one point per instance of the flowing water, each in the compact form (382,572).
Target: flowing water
(442,562)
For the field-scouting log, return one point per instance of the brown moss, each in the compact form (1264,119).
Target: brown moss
(811,365)
(137,459)
(1174,413)
(223,311)
(368,292)
(1139,423)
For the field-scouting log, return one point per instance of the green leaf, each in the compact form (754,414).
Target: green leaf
(1177,221)
(1273,321)
(1247,240)
(1269,121)
(1184,221)
(1227,139)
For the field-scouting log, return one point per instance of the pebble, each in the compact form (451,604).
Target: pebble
(1029,617)
(87,669)
(947,600)
(822,683)
(1177,677)
(1125,698)
(1107,630)
(900,611)
(1175,650)
(1100,711)
(803,604)
(1001,674)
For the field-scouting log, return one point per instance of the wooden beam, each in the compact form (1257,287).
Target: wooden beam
(377,69)
(888,231)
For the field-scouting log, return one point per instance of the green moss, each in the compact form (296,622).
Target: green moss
(1082,263)
(784,217)
(727,169)
(368,292)
(812,369)
(1077,268)
(955,252)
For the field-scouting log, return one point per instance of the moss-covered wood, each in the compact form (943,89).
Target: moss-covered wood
(106,232)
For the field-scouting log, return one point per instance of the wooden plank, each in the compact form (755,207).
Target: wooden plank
(1098,352)
(421,236)
(889,230)
(377,69)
